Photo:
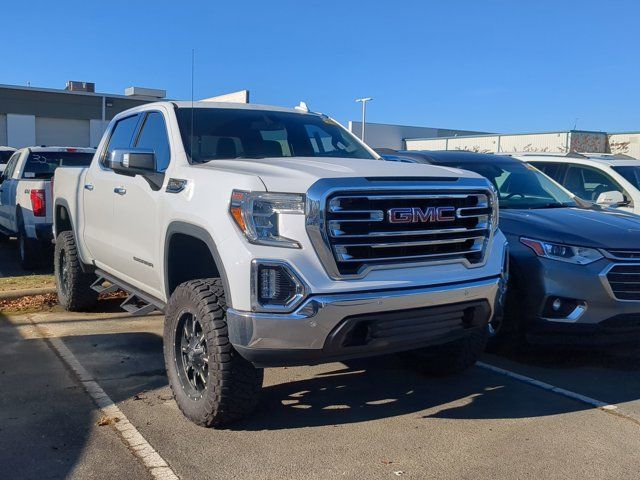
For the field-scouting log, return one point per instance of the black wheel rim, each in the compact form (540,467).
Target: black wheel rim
(192,359)
(64,272)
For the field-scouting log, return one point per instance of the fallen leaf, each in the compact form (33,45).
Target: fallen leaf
(387,462)
(397,473)
(104,420)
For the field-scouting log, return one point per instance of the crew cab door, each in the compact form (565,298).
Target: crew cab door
(99,197)
(137,211)
(8,192)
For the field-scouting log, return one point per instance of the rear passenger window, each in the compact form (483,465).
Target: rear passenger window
(121,137)
(153,136)
(553,170)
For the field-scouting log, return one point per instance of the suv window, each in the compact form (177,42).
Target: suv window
(589,183)
(551,169)
(5,155)
(121,136)
(153,136)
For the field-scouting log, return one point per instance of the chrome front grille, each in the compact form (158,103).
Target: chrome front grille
(387,228)
(624,281)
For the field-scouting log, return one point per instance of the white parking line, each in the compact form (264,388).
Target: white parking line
(155,464)
(547,386)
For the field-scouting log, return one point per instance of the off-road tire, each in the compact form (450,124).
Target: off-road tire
(74,290)
(233,384)
(450,358)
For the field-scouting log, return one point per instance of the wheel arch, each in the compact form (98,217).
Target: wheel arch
(62,221)
(180,268)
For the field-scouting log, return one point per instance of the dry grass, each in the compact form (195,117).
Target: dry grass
(25,282)
(35,303)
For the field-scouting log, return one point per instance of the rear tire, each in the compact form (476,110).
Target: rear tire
(212,384)
(450,358)
(73,285)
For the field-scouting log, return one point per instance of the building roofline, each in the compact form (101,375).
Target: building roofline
(89,94)
(506,134)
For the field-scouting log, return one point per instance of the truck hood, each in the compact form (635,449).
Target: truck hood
(575,226)
(297,174)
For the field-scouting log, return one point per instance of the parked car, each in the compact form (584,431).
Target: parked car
(272,237)
(5,154)
(608,180)
(574,266)
(25,197)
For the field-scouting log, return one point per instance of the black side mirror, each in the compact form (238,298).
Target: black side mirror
(137,161)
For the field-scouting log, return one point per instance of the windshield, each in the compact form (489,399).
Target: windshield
(5,155)
(225,133)
(520,185)
(631,174)
(42,165)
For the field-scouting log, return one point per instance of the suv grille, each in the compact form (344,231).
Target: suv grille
(625,281)
(625,254)
(397,227)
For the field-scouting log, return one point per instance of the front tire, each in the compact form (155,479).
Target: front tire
(450,358)
(212,384)
(73,285)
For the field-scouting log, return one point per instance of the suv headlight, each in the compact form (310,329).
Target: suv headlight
(257,215)
(563,253)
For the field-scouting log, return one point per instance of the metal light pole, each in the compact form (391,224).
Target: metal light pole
(364,112)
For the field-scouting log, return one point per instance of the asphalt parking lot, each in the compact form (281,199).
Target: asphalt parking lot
(365,419)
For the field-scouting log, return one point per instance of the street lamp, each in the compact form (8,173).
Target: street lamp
(364,112)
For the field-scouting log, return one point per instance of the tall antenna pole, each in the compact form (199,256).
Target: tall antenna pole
(364,113)
(193,62)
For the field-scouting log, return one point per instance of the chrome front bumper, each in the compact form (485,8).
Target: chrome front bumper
(303,336)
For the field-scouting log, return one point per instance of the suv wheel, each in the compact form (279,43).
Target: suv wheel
(212,384)
(73,285)
(450,358)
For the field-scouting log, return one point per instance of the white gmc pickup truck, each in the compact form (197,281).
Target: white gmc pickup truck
(271,237)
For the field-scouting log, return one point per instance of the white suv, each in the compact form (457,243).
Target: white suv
(608,180)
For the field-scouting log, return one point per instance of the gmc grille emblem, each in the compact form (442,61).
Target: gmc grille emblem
(418,215)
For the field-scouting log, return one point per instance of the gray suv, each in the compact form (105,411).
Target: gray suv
(574,266)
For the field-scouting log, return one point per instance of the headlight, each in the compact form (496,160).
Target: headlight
(257,215)
(563,253)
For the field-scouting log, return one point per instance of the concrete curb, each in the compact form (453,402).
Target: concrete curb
(10,295)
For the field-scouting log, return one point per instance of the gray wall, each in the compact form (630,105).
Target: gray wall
(62,132)
(3,129)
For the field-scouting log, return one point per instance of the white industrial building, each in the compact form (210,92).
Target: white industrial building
(76,116)
(384,135)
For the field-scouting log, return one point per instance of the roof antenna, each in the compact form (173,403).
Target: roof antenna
(193,61)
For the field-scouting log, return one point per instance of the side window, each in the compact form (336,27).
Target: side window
(589,183)
(153,136)
(121,137)
(551,169)
(11,165)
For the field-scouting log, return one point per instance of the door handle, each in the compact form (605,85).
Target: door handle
(120,190)
(88,186)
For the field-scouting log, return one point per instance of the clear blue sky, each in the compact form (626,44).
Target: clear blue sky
(482,65)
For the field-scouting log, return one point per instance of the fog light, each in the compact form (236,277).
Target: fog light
(275,287)
(557,304)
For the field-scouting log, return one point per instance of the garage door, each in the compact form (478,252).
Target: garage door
(62,132)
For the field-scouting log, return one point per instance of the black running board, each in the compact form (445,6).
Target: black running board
(137,303)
